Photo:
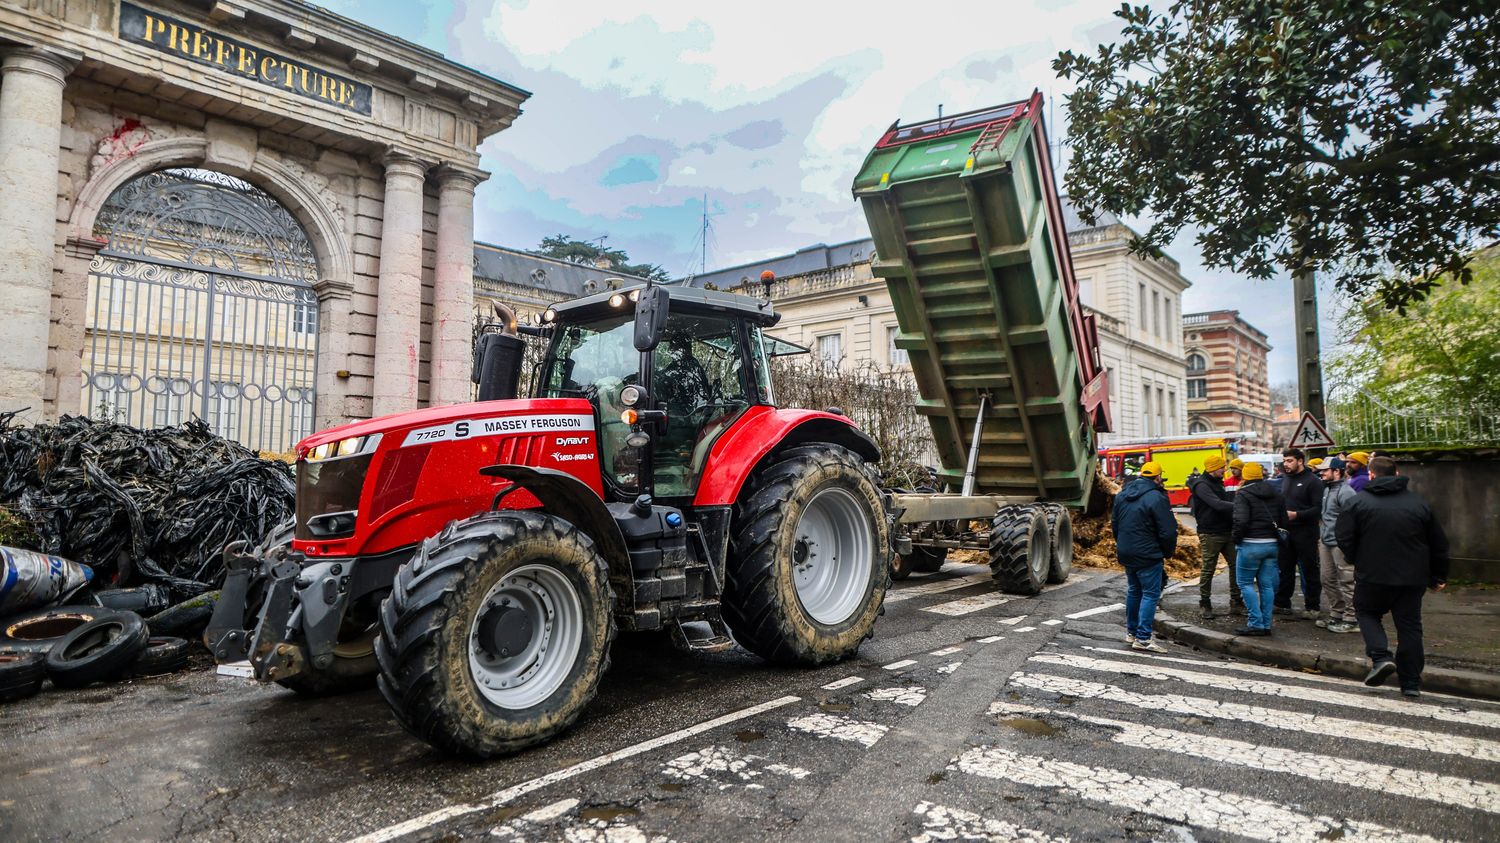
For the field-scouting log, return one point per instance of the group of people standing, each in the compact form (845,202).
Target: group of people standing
(1347,527)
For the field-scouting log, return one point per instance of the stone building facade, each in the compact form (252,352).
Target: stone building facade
(256,209)
(1228,386)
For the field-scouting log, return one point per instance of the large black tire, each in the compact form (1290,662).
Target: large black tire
(1019,549)
(430,664)
(1060,539)
(161,655)
(762,603)
(99,651)
(21,675)
(40,630)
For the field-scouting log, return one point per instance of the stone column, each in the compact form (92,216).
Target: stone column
(30,132)
(398,303)
(453,286)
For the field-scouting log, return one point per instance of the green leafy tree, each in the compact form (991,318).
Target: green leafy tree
(1358,137)
(563,247)
(1443,355)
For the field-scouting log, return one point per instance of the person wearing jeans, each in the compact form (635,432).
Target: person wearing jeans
(1145,535)
(1258,515)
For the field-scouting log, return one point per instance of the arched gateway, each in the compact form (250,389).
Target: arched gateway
(202,304)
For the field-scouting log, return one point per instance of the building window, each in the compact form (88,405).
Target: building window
(1155,313)
(301,422)
(1198,426)
(831,347)
(897,356)
(1145,315)
(224,409)
(1197,387)
(305,318)
(1161,404)
(1086,291)
(173,403)
(1172,412)
(1145,410)
(1197,363)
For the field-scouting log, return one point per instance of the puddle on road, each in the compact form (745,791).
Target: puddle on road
(749,736)
(671,787)
(833,706)
(608,812)
(1031,726)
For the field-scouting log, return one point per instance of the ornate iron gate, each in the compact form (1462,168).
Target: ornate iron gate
(202,305)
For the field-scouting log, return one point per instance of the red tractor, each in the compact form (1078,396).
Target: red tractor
(478,559)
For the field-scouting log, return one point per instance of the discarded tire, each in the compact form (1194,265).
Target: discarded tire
(161,655)
(496,633)
(39,631)
(809,563)
(99,651)
(1019,549)
(21,675)
(1060,536)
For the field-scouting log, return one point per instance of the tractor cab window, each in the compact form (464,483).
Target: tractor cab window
(700,379)
(596,360)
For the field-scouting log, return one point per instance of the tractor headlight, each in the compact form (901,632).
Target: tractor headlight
(350,447)
(616,300)
(548,316)
(635,295)
(630,395)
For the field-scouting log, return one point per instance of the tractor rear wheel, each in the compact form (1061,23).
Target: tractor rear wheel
(810,560)
(496,633)
(1019,549)
(1060,537)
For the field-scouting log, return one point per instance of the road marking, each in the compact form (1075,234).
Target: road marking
(934,587)
(946,651)
(900,664)
(843,728)
(1274,718)
(1229,813)
(1381,778)
(912,696)
(1097,610)
(713,764)
(1277,672)
(1026,629)
(1053,622)
(1365,701)
(551,812)
(949,667)
(967,605)
(501,797)
(992,639)
(941,823)
(843,683)
(1013,621)
(1072,579)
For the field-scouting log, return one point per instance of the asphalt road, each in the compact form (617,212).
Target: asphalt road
(970,716)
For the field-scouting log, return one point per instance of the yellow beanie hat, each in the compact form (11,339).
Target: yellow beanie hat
(1253,471)
(1214,462)
(1360,457)
(1236,463)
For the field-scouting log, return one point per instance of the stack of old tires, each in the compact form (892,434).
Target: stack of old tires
(77,646)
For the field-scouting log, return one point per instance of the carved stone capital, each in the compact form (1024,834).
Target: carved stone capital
(51,63)
(399,162)
(453,176)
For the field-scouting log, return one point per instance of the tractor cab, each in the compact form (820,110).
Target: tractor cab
(668,371)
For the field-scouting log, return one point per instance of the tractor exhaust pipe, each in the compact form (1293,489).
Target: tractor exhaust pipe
(497,358)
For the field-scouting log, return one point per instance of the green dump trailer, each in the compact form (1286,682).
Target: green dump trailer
(969,237)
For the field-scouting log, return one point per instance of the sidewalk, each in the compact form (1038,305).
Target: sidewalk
(1460,626)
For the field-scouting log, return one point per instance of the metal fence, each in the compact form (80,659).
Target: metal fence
(1356,418)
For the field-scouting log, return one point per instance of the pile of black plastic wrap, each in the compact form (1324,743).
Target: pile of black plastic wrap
(140,506)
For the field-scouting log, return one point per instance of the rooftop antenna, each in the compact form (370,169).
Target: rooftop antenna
(940,115)
(705,233)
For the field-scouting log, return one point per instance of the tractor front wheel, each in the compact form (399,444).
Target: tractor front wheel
(810,560)
(496,633)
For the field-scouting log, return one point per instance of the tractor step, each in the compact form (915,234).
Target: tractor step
(701,635)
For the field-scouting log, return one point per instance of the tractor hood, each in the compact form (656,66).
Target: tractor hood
(447,415)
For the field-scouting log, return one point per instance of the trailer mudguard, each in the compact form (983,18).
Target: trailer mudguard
(762,430)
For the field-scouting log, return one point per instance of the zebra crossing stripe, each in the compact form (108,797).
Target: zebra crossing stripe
(991,639)
(1273,718)
(967,605)
(1229,813)
(843,683)
(1280,673)
(946,651)
(1273,689)
(900,664)
(1097,610)
(1027,629)
(934,588)
(1381,778)
(843,728)
(1013,621)
(1053,622)
(939,822)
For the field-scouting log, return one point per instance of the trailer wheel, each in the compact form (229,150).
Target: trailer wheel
(1060,538)
(1019,549)
(496,633)
(810,560)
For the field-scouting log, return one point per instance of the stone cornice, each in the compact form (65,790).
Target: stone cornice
(458,177)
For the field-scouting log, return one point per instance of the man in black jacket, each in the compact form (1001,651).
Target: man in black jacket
(1398,550)
(1303,492)
(1213,510)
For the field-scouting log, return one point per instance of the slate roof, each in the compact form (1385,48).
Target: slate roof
(529,269)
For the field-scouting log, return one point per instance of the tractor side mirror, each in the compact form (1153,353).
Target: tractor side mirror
(650,318)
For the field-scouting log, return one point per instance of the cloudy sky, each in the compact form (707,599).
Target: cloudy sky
(641,111)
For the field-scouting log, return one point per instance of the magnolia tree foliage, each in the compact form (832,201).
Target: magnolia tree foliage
(1442,356)
(1359,135)
(563,247)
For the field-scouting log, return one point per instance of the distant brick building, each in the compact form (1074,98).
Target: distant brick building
(1227,384)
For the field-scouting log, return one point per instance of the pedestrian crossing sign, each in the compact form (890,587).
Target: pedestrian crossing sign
(1311,433)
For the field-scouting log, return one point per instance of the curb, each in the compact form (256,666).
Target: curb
(1444,680)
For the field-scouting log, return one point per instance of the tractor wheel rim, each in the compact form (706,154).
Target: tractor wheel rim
(547,607)
(833,546)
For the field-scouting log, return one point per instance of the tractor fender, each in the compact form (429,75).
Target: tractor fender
(761,431)
(565,496)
